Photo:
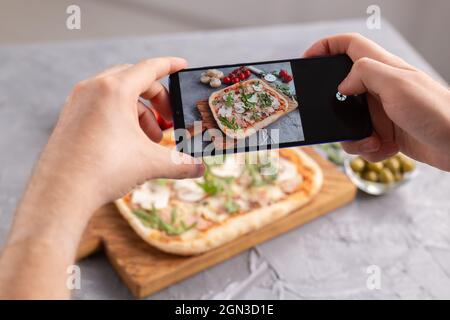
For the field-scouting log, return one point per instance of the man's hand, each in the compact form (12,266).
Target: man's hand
(409,110)
(108,137)
(103,145)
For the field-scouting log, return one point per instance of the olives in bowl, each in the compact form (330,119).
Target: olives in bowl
(377,178)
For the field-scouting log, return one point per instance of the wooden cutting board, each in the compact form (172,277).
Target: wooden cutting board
(146,270)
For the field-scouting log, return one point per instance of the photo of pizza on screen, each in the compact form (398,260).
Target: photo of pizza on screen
(242,101)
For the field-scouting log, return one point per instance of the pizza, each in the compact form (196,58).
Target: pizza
(238,194)
(243,108)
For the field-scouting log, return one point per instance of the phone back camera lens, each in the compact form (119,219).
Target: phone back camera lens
(340,96)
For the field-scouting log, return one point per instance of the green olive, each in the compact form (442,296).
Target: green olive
(375,166)
(357,164)
(398,176)
(393,164)
(408,165)
(370,176)
(386,176)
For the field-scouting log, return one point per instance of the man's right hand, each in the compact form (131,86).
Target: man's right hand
(409,110)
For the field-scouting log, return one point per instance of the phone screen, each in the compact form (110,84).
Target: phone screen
(265,105)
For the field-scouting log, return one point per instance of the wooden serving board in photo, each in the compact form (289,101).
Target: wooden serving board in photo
(145,269)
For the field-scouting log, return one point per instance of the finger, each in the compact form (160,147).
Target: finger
(114,69)
(148,123)
(367,145)
(175,165)
(356,47)
(158,95)
(371,148)
(382,125)
(368,75)
(386,151)
(140,77)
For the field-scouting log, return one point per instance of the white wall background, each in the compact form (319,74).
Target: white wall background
(426,24)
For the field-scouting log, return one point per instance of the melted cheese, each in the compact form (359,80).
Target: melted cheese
(291,185)
(286,170)
(151,195)
(288,177)
(211,209)
(188,190)
(232,167)
(267,195)
(211,215)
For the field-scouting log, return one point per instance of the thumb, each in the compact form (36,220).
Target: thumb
(171,164)
(367,75)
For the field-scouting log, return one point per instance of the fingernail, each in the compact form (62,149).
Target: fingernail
(369,146)
(201,169)
(342,85)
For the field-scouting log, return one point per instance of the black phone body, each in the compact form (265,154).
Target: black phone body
(323,115)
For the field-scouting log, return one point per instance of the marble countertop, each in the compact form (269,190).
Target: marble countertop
(406,234)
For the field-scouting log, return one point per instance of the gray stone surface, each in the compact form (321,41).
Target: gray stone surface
(405,233)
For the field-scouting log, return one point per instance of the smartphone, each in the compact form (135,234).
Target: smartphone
(265,105)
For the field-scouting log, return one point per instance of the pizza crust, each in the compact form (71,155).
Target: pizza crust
(231,228)
(243,133)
